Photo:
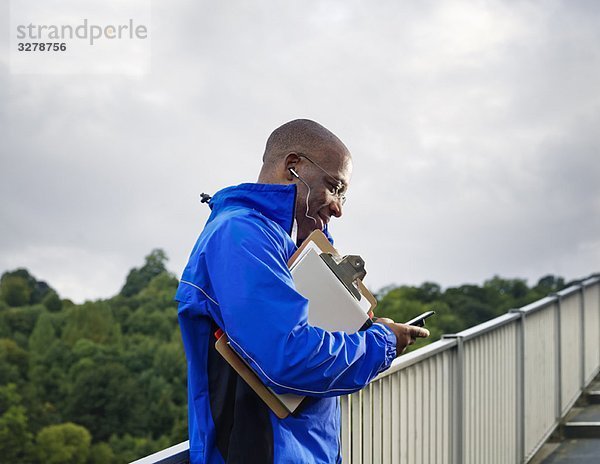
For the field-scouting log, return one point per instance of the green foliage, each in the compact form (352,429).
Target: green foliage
(15,291)
(128,448)
(101,453)
(137,279)
(63,444)
(13,362)
(93,321)
(105,382)
(104,391)
(458,308)
(149,321)
(114,367)
(18,323)
(19,288)
(160,290)
(15,437)
(52,301)
(50,360)
(42,336)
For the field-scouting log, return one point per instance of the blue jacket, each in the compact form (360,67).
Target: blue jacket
(237,280)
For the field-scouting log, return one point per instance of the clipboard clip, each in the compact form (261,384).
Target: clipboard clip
(348,269)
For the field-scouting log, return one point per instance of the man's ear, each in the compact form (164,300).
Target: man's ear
(291,161)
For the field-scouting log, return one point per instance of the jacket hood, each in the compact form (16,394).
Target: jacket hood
(274,201)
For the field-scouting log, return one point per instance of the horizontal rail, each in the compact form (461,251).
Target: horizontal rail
(591,280)
(485,327)
(417,356)
(569,291)
(537,305)
(177,454)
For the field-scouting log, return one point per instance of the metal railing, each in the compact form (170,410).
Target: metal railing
(492,393)
(178,454)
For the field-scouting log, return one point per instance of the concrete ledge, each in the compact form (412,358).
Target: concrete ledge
(582,430)
(593,397)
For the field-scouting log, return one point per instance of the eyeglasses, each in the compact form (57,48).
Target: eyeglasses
(336,190)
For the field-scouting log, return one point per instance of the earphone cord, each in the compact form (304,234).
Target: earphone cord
(307,197)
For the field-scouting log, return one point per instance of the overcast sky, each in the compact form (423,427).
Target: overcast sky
(474,127)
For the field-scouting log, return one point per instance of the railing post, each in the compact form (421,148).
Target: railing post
(346,435)
(582,339)
(598,284)
(558,405)
(458,405)
(520,387)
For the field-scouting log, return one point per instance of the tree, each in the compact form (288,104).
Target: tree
(19,322)
(101,398)
(137,279)
(15,438)
(15,290)
(52,301)
(401,304)
(13,362)
(548,284)
(42,336)
(128,448)
(152,323)
(20,288)
(63,444)
(160,290)
(101,453)
(50,359)
(169,362)
(93,321)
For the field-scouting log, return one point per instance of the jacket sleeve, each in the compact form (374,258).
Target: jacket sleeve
(265,318)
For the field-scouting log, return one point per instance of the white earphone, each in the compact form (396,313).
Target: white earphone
(297,176)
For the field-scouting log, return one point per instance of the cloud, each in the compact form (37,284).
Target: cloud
(473,129)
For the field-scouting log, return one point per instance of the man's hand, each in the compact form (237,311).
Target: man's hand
(405,334)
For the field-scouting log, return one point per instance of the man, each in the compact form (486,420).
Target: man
(237,280)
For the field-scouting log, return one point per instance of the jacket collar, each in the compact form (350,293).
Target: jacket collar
(275,201)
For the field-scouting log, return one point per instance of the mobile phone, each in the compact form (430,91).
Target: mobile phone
(419,321)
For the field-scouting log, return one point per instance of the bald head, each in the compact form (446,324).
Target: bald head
(301,136)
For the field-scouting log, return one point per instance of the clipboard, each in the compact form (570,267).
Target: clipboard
(338,301)
(246,373)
